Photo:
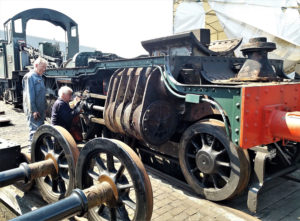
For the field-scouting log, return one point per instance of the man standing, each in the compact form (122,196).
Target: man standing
(34,96)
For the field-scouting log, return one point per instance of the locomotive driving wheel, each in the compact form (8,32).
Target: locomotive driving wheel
(211,163)
(56,143)
(114,162)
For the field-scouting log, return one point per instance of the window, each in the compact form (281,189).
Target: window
(73,31)
(18,26)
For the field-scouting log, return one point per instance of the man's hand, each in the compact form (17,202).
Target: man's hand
(36,115)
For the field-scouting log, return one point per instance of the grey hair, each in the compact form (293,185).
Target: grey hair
(39,60)
(64,90)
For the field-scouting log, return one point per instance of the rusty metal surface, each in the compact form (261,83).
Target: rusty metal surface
(257,66)
(99,194)
(42,168)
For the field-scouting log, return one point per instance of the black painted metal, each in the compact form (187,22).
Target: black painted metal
(10,155)
(260,178)
(13,175)
(74,204)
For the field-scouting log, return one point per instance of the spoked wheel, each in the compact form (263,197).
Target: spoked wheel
(56,143)
(211,164)
(102,159)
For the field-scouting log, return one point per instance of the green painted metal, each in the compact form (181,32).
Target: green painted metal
(193,98)
(107,65)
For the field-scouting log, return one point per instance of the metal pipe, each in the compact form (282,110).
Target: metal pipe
(97,120)
(98,108)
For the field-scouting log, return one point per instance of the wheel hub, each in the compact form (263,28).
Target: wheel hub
(105,178)
(205,162)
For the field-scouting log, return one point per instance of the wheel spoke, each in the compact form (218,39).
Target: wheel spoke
(194,170)
(124,186)
(48,142)
(202,139)
(44,150)
(213,142)
(196,145)
(110,163)
(61,153)
(93,174)
(127,201)
(61,185)
(65,178)
(191,155)
(219,153)
(223,176)
(119,173)
(214,180)
(63,164)
(100,164)
(222,163)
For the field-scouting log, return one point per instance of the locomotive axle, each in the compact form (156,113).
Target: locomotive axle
(27,172)
(79,202)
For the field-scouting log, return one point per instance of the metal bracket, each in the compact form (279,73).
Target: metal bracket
(259,176)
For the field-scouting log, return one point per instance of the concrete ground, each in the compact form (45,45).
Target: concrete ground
(278,201)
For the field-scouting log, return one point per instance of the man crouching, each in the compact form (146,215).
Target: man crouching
(62,114)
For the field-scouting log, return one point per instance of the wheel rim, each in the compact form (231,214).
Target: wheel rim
(114,160)
(55,143)
(211,164)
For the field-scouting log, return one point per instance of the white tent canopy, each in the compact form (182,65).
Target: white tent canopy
(278,20)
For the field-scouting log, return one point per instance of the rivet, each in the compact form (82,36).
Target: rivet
(236,141)
(237,104)
(237,130)
(237,118)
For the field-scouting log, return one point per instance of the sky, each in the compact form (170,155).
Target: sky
(112,26)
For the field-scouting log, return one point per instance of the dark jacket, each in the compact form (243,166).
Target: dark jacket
(62,114)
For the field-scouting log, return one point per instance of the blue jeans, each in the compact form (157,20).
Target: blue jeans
(33,125)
